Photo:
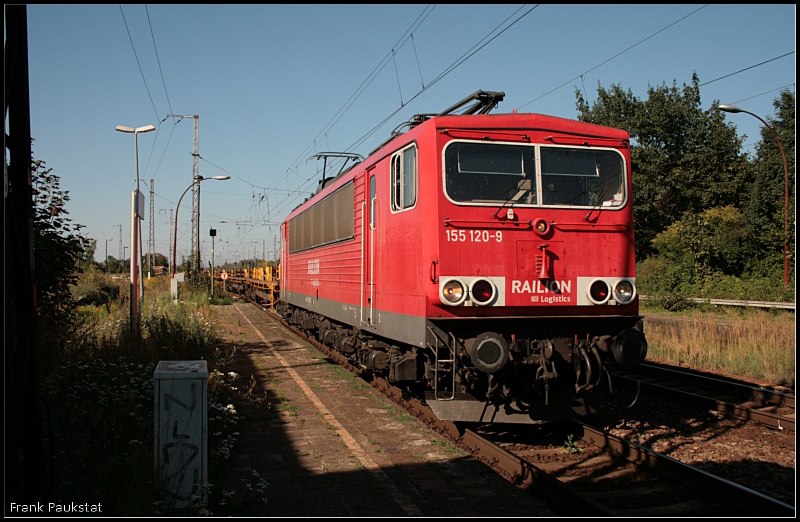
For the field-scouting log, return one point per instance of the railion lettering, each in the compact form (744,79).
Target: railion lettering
(537,286)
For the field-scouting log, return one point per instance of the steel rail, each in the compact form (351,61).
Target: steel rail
(725,491)
(745,391)
(528,477)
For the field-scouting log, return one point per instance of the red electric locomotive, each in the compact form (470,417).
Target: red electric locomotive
(486,261)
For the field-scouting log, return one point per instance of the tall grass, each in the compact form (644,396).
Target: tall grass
(98,394)
(751,344)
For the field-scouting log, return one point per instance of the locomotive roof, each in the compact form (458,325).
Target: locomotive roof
(498,122)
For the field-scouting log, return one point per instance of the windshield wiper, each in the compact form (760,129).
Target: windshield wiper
(599,199)
(519,190)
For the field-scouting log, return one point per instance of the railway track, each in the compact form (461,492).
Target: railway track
(741,400)
(608,477)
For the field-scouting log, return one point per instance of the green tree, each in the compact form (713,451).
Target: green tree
(114,265)
(713,241)
(765,211)
(86,262)
(160,260)
(59,249)
(684,159)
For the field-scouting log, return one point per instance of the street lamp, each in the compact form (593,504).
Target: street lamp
(135,132)
(107,240)
(197,179)
(137,209)
(733,109)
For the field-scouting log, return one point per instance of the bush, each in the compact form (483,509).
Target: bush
(673,302)
(197,283)
(660,276)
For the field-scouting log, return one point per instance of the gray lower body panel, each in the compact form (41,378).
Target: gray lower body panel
(400,327)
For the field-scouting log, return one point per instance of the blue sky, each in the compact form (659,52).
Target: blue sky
(268,83)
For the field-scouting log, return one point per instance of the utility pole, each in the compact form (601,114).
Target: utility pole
(171,257)
(195,257)
(151,245)
(212,233)
(121,253)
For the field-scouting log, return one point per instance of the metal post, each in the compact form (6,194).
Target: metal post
(135,244)
(107,240)
(196,195)
(734,109)
(151,244)
(212,264)
(198,266)
(194,257)
(139,262)
(169,248)
(133,265)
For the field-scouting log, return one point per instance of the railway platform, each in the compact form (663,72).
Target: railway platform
(328,445)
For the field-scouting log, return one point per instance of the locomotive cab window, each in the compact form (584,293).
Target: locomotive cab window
(582,177)
(490,173)
(404,179)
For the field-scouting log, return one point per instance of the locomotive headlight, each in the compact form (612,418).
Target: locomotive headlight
(598,292)
(624,291)
(542,227)
(453,292)
(483,292)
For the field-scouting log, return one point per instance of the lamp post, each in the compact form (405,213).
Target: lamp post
(733,109)
(137,210)
(197,179)
(213,234)
(107,240)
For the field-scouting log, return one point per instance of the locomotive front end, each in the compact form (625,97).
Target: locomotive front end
(533,292)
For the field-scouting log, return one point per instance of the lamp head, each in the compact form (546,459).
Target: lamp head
(730,108)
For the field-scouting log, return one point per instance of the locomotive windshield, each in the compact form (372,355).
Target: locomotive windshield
(492,174)
(581,177)
(488,173)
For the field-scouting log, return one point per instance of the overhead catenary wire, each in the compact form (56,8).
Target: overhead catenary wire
(147,88)
(747,68)
(163,82)
(361,88)
(613,57)
(137,61)
(482,43)
(353,97)
(763,93)
(463,58)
